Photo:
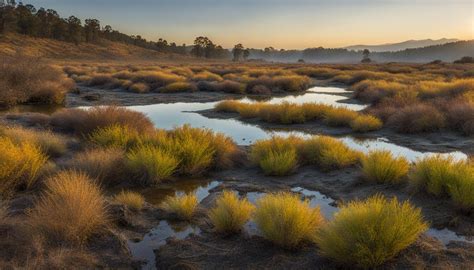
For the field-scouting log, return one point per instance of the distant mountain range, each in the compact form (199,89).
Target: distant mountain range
(409,44)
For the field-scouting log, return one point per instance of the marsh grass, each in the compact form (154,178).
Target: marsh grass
(379,229)
(382,167)
(115,136)
(132,200)
(51,144)
(443,176)
(183,206)
(230,213)
(366,123)
(20,165)
(286,220)
(151,164)
(71,210)
(276,156)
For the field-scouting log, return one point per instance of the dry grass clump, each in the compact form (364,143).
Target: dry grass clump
(207,76)
(417,118)
(183,206)
(374,91)
(72,209)
(328,153)
(115,136)
(179,87)
(132,200)
(104,165)
(86,121)
(382,167)
(340,117)
(276,156)
(20,165)
(366,123)
(228,106)
(368,233)
(29,80)
(106,81)
(230,213)
(139,88)
(460,116)
(151,164)
(292,83)
(286,220)
(52,144)
(439,176)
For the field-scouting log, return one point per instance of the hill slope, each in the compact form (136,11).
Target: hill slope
(409,44)
(53,49)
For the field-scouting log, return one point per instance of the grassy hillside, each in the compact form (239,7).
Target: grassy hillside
(104,50)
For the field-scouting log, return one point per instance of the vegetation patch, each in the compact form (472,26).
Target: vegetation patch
(382,167)
(230,213)
(182,206)
(132,200)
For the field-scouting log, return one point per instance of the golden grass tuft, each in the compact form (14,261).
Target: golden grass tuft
(179,87)
(115,136)
(52,144)
(20,165)
(72,209)
(339,117)
(366,123)
(286,220)
(444,176)
(139,88)
(382,167)
(328,153)
(277,155)
(151,164)
(183,206)
(230,213)
(132,200)
(368,233)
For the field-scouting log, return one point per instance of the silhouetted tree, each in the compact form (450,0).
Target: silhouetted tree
(74,29)
(246,54)
(92,30)
(238,52)
(365,56)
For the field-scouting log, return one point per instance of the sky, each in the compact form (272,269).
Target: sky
(289,24)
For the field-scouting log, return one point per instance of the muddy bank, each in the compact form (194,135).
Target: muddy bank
(442,142)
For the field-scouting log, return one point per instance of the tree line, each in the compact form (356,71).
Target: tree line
(25,19)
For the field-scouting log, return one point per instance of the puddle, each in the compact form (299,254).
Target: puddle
(445,235)
(201,187)
(333,90)
(144,249)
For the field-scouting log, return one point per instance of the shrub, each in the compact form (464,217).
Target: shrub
(368,233)
(339,117)
(230,213)
(179,87)
(460,116)
(115,136)
(228,106)
(69,120)
(382,167)
(286,220)
(276,156)
(417,118)
(132,200)
(50,143)
(72,208)
(328,153)
(292,83)
(285,113)
(444,176)
(139,88)
(103,165)
(365,123)
(20,165)
(183,206)
(29,80)
(151,163)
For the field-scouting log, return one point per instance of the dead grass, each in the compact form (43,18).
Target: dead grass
(71,210)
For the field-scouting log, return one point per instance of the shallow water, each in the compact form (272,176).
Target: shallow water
(144,250)
(168,116)
(445,235)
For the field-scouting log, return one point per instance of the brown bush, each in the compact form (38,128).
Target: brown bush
(417,118)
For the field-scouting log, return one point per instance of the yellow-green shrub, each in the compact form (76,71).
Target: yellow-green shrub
(368,233)
(115,136)
(328,153)
(276,156)
(179,87)
(151,164)
(20,165)
(230,213)
(50,143)
(71,209)
(286,220)
(183,206)
(338,117)
(365,123)
(382,167)
(132,200)
(228,106)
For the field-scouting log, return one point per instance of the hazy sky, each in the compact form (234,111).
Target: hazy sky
(279,23)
